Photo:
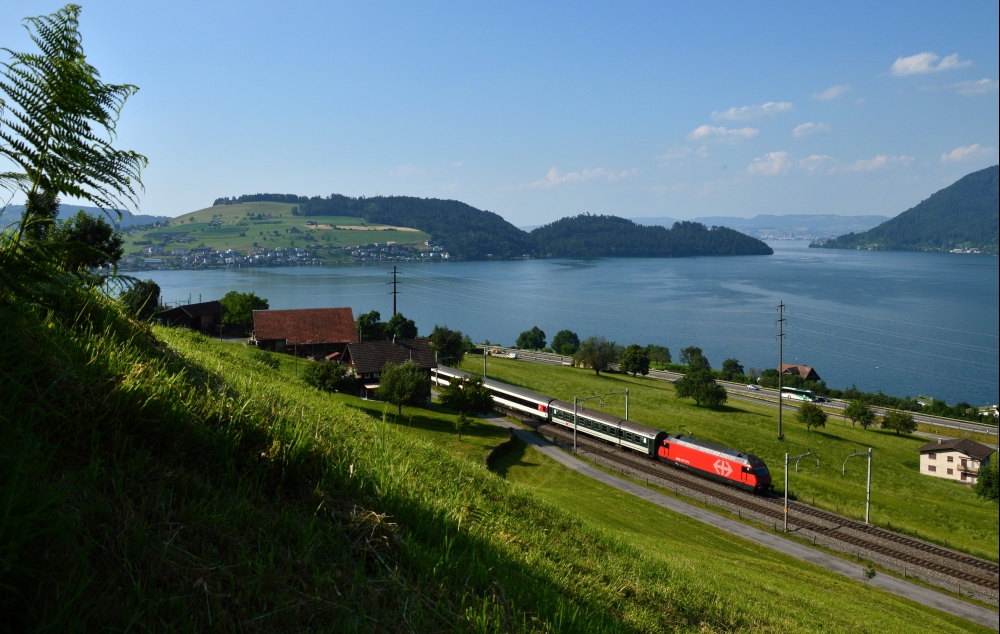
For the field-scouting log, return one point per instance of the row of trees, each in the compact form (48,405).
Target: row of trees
(860,413)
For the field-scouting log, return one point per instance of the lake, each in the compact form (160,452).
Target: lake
(904,323)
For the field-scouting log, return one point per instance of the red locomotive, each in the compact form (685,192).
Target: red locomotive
(715,462)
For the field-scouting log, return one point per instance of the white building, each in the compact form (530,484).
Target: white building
(954,459)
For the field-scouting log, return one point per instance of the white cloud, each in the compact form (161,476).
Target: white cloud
(972,88)
(814,162)
(721,133)
(555,177)
(805,130)
(450,188)
(747,113)
(924,63)
(833,92)
(968,153)
(881,161)
(458,164)
(771,164)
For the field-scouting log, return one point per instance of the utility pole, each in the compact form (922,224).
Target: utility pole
(394,291)
(781,342)
(484,362)
(868,489)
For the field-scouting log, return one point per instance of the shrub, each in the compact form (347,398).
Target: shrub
(329,377)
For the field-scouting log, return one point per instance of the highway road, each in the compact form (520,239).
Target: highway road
(764,395)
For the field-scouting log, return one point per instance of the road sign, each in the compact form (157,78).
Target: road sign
(723,468)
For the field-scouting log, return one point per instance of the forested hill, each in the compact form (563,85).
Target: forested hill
(473,234)
(962,215)
(587,236)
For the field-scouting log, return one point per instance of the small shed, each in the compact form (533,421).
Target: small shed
(807,372)
(307,332)
(204,317)
(955,459)
(367,359)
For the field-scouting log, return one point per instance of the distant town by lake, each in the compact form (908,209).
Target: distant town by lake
(904,323)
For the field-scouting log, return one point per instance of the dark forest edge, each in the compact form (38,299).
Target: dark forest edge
(474,234)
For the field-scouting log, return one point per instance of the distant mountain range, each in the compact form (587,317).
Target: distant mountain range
(13,213)
(787,227)
(963,216)
(473,234)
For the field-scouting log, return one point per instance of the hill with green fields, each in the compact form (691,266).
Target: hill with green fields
(468,233)
(963,216)
(262,224)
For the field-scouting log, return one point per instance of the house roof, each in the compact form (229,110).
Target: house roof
(195,310)
(971,448)
(371,356)
(802,370)
(305,325)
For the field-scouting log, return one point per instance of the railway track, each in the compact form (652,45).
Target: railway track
(912,557)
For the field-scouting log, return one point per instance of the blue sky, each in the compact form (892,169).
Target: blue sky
(538,112)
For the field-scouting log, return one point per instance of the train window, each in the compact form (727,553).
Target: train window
(644,440)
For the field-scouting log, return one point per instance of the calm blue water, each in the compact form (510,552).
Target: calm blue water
(905,323)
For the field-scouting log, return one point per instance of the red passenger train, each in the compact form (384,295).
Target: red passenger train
(700,457)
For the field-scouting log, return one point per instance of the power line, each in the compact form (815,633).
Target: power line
(896,334)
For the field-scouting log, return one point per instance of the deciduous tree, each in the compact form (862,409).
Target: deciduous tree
(400,327)
(370,326)
(566,342)
(860,413)
(658,354)
(634,360)
(597,353)
(240,307)
(329,377)
(447,344)
(533,339)
(468,396)
(687,353)
(101,243)
(700,385)
(731,368)
(403,384)
(811,415)
(899,421)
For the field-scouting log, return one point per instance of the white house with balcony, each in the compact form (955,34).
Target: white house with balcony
(957,459)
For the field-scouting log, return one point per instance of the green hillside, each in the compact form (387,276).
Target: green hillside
(272,224)
(963,215)
(587,236)
(159,480)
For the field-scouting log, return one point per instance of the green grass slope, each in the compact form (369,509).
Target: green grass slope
(272,224)
(964,214)
(158,480)
(902,499)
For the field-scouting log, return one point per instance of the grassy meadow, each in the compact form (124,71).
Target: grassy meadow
(243,229)
(902,499)
(158,480)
